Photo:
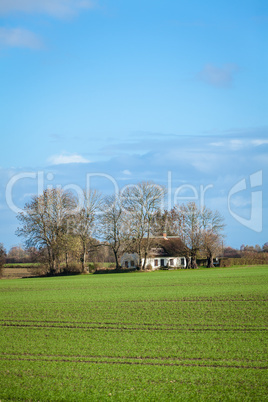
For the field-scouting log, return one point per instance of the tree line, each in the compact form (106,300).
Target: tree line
(64,226)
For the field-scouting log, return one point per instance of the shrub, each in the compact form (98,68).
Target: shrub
(73,269)
(41,270)
(163,267)
(91,267)
(149,267)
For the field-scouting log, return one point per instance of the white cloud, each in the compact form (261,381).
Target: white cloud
(237,144)
(218,76)
(126,172)
(240,201)
(56,8)
(18,37)
(259,142)
(66,159)
(233,144)
(28,195)
(217,144)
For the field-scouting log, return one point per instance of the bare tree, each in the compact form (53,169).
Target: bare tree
(45,221)
(83,223)
(265,247)
(3,254)
(211,234)
(141,202)
(2,257)
(161,223)
(17,253)
(189,229)
(114,226)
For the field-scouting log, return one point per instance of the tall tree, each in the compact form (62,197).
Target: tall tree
(44,222)
(3,254)
(265,247)
(17,253)
(141,202)
(114,226)
(189,228)
(84,221)
(2,257)
(211,234)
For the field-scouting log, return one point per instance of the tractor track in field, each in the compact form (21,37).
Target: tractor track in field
(139,363)
(6,322)
(192,300)
(140,358)
(157,302)
(124,326)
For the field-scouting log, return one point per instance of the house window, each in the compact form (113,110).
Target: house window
(171,262)
(126,264)
(132,263)
(182,261)
(162,262)
(156,263)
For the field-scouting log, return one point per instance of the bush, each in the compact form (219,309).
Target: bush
(41,270)
(91,267)
(73,269)
(149,267)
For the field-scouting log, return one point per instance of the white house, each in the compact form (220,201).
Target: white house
(164,252)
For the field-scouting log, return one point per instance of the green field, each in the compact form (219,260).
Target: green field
(176,335)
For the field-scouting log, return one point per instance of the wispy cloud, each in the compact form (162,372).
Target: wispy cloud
(217,144)
(236,144)
(259,142)
(218,76)
(56,8)
(126,172)
(66,159)
(18,37)
(239,143)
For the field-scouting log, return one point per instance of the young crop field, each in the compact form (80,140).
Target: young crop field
(166,335)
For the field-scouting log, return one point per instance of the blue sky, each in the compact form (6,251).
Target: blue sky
(164,90)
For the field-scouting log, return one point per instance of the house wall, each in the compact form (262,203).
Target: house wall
(132,261)
(172,262)
(129,260)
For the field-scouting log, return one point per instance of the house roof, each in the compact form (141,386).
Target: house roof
(167,247)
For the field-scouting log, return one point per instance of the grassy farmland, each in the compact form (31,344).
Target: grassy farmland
(177,335)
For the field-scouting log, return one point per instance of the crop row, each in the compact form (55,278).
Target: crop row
(121,327)
(134,360)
